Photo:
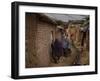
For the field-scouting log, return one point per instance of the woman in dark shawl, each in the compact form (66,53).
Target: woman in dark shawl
(57,50)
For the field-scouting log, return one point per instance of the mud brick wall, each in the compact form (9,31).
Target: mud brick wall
(43,42)
(74,33)
(30,37)
(38,41)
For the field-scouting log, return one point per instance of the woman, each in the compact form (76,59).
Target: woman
(66,46)
(57,50)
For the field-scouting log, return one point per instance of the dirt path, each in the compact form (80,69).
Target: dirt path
(69,60)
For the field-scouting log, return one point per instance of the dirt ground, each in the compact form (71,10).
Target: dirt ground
(75,58)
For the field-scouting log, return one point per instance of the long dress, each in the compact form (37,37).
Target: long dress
(58,48)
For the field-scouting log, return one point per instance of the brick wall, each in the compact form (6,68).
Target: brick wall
(43,42)
(30,37)
(38,41)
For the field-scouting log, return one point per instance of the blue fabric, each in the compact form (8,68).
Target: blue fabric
(58,49)
(65,43)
